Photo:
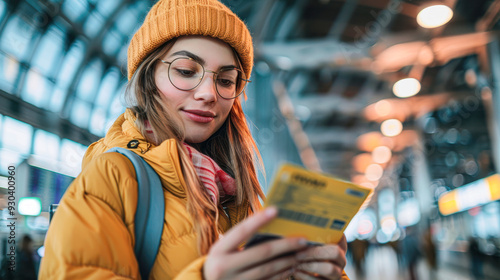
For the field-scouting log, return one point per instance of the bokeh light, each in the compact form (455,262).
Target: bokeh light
(374,172)
(381,154)
(406,87)
(434,16)
(391,127)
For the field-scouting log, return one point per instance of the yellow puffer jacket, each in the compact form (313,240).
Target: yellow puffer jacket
(92,233)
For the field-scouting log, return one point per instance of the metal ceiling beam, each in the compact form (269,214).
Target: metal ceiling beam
(336,136)
(306,153)
(342,20)
(312,54)
(21,110)
(93,48)
(261,19)
(490,18)
(404,8)
(326,105)
(322,106)
(494,122)
(290,20)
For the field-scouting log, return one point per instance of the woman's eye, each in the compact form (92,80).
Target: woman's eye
(185,72)
(226,82)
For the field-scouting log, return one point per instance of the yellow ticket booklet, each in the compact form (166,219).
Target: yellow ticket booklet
(311,205)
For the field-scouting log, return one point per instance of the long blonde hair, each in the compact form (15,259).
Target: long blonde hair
(232,147)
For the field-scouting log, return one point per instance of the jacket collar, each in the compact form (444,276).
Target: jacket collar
(164,158)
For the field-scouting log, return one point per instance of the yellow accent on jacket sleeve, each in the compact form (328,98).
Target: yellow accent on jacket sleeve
(193,270)
(91,235)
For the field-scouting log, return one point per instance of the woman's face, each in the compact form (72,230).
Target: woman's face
(201,109)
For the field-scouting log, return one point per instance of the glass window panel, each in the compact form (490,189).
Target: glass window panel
(16,37)
(71,157)
(122,56)
(80,113)
(117,105)
(93,24)
(491,211)
(108,88)
(2,9)
(90,80)
(111,43)
(107,7)
(57,100)
(46,144)
(109,123)
(98,121)
(71,63)
(124,24)
(9,158)
(9,69)
(37,89)
(480,226)
(48,54)
(16,135)
(75,9)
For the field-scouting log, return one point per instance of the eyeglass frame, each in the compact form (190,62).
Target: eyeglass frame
(203,76)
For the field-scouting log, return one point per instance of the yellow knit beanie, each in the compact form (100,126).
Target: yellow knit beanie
(168,19)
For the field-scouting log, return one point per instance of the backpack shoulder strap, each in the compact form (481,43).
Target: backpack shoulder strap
(150,213)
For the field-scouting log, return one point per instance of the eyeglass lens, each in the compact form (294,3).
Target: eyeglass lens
(186,74)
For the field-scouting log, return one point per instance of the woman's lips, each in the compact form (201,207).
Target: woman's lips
(199,116)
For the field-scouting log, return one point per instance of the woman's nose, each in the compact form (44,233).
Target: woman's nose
(206,90)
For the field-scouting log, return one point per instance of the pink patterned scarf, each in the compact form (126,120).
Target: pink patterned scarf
(217,182)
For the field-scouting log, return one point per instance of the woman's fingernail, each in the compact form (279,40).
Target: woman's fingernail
(300,256)
(303,241)
(271,211)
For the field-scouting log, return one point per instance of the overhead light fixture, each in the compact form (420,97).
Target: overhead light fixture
(406,87)
(391,127)
(434,16)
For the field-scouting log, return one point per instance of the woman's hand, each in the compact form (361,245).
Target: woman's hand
(322,262)
(227,261)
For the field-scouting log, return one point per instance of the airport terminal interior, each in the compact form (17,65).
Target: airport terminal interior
(398,96)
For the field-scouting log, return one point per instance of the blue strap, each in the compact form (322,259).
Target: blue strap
(150,212)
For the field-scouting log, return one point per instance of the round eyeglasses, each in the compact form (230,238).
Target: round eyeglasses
(186,74)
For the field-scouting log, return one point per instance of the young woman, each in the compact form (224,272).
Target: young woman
(188,65)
